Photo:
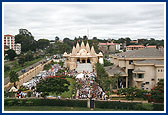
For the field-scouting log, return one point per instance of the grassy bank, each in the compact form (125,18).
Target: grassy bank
(16,67)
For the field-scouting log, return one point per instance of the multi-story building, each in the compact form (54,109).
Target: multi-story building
(134,47)
(141,68)
(108,47)
(18,48)
(9,41)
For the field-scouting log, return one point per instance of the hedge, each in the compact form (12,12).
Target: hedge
(83,103)
(129,106)
(45,102)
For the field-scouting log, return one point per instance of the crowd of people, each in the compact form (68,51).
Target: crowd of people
(89,89)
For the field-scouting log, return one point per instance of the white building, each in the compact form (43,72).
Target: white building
(9,41)
(18,48)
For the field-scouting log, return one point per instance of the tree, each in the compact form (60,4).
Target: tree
(128,92)
(43,43)
(56,39)
(21,61)
(13,77)
(27,42)
(11,54)
(157,93)
(53,85)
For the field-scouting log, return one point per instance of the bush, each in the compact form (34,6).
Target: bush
(45,102)
(128,105)
(29,94)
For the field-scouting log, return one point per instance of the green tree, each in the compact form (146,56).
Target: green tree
(21,61)
(43,43)
(53,85)
(157,93)
(128,92)
(11,54)
(13,77)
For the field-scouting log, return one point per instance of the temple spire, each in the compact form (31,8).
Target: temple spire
(77,47)
(73,50)
(82,45)
(92,50)
(87,47)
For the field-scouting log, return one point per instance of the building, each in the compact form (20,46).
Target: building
(141,68)
(82,56)
(134,41)
(9,41)
(134,47)
(18,48)
(109,47)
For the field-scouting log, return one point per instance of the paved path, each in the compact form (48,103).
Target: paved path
(6,80)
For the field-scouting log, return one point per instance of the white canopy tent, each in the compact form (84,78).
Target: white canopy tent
(80,76)
(13,89)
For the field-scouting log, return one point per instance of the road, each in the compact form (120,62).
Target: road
(6,80)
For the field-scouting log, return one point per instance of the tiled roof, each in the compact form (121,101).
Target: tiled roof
(111,70)
(142,53)
(155,62)
(135,46)
(8,35)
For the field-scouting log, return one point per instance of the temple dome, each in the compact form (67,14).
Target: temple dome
(83,51)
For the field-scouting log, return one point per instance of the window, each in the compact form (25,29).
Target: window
(147,82)
(140,75)
(161,70)
(130,61)
(153,79)
(158,70)
(146,88)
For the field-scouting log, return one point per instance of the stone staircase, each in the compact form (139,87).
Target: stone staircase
(87,67)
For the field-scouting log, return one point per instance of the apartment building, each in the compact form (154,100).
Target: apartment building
(9,43)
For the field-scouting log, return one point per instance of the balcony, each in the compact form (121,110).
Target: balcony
(138,79)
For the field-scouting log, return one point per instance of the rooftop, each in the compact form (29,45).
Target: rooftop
(142,53)
(112,70)
(155,62)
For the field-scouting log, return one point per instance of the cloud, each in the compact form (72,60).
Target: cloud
(70,20)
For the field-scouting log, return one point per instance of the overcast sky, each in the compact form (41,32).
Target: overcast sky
(102,20)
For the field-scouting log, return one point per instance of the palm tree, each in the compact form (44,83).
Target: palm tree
(14,77)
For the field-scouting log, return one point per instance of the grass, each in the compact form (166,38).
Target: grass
(67,94)
(52,108)
(16,67)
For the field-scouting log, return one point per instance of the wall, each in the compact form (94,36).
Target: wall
(148,75)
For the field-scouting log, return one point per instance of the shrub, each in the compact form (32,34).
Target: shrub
(46,102)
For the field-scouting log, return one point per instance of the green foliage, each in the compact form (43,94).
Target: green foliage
(22,88)
(21,61)
(6,68)
(27,42)
(43,43)
(29,56)
(29,94)
(11,54)
(13,77)
(53,85)
(157,93)
(128,105)
(128,92)
(107,63)
(45,102)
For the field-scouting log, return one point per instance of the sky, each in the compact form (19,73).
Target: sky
(100,20)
